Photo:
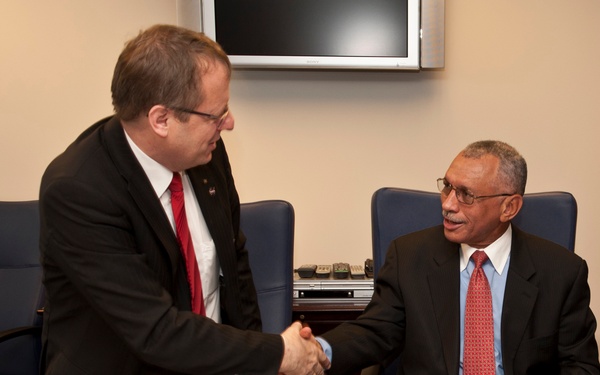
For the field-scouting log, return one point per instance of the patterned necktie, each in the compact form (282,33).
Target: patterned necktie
(185,243)
(479,323)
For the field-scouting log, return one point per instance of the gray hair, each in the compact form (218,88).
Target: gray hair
(512,170)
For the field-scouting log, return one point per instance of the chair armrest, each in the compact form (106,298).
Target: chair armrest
(20,331)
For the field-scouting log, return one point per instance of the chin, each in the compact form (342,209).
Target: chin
(206,159)
(452,236)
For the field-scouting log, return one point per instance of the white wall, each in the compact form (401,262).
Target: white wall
(525,72)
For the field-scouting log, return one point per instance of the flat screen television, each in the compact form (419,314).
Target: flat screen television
(322,34)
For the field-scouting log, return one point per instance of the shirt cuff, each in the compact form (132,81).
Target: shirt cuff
(326,347)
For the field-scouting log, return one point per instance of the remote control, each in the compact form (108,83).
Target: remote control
(369,267)
(341,270)
(357,271)
(323,271)
(307,270)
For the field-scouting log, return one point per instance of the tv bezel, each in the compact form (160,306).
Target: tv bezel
(410,62)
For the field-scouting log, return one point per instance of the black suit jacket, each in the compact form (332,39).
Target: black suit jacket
(117,297)
(547,325)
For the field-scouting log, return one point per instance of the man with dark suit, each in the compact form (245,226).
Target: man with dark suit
(539,310)
(119,297)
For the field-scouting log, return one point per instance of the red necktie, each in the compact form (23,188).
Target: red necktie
(185,243)
(479,323)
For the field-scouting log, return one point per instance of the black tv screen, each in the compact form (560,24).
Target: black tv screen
(316,33)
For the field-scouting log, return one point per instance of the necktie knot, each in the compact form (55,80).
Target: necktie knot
(479,257)
(176,184)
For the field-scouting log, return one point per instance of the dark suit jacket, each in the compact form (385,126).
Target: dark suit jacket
(547,325)
(117,297)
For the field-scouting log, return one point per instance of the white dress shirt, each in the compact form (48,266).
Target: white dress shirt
(204,246)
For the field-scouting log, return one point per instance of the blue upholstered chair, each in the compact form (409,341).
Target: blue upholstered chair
(396,211)
(269,229)
(21,290)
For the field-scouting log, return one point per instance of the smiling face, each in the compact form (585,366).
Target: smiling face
(191,142)
(484,221)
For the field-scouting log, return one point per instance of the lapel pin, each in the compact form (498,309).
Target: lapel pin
(212,191)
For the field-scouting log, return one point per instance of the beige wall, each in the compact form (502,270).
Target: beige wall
(526,72)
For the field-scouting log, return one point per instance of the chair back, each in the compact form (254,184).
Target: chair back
(21,290)
(269,229)
(396,212)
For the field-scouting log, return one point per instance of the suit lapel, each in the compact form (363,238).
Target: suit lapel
(140,188)
(444,285)
(211,195)
(519,299)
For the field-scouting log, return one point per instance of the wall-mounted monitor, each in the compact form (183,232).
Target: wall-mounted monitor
(322,34)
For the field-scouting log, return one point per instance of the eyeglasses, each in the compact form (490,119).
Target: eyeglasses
(463,195)
(213,118)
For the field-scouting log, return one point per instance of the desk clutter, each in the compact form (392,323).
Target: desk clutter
(333,284)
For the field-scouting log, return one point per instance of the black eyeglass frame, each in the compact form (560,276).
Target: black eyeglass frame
(218,119)
(462,195)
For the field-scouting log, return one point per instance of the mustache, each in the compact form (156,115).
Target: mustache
(450,216)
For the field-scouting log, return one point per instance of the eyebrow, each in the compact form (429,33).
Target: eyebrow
(461,187)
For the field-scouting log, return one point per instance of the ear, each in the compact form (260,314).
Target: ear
(159,117)
(511,207)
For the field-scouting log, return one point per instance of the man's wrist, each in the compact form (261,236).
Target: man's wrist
(325,347)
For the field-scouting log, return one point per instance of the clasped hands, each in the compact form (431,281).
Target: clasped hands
(302,354)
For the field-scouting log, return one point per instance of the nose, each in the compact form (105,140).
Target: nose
(449,202)
(228,122)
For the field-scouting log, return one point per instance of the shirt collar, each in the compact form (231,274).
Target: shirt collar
(160,177)
(497,252)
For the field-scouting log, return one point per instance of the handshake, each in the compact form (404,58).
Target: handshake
(302,353)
